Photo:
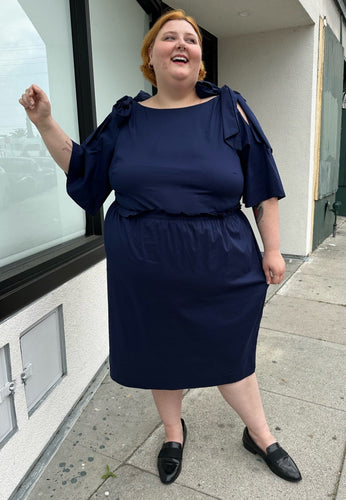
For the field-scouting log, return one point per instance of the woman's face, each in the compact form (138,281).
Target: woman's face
(176,54)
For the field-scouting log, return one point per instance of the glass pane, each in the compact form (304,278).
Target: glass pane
(35,47)
(117,32)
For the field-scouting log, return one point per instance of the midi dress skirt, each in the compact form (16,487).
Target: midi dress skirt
(186,288)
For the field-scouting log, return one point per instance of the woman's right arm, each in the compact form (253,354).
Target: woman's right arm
(38,109)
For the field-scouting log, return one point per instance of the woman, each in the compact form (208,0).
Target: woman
(186,280)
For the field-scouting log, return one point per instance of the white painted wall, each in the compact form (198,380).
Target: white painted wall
(275,72)
(324,8)
(85,323)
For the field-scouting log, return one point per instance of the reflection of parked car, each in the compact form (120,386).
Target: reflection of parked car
(26,177)
(5,189)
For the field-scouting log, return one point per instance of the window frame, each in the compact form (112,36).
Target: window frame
(28,279)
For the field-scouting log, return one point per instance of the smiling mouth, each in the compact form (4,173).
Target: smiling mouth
(180,59)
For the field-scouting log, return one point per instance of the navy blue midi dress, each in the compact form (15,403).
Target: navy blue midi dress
(186,287)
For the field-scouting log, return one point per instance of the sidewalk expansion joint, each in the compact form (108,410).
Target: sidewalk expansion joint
(301,335)
(303,400)
(318,301)
(207,495)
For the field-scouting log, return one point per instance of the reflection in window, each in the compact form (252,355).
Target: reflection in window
(35,47)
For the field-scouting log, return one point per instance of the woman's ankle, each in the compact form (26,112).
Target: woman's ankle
(262,438)
(174,432)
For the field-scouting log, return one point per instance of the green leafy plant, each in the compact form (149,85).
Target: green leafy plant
(108,474)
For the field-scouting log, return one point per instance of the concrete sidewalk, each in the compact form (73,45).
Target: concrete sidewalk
(301,367)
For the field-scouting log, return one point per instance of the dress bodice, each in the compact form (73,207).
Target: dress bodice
(193,160)
(176,160)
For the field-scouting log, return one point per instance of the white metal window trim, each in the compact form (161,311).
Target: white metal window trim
(8,424)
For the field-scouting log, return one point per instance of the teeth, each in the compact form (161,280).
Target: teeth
(181,59)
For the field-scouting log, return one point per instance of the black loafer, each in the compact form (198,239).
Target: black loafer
(277,459)
(170,459)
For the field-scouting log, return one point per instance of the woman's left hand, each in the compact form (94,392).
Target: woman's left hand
(273,266)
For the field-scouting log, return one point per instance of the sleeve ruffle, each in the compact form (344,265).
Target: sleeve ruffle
(261,177)
(87,178)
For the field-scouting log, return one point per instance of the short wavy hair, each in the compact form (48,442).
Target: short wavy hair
(150,37)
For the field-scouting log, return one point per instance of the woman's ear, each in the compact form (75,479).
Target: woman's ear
(150,53)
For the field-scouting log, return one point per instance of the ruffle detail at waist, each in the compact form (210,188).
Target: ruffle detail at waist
(129,213)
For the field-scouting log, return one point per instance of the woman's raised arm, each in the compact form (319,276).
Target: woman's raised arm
(38,109)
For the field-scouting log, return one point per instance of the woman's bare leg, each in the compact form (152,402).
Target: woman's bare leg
(169,407)
(244,397)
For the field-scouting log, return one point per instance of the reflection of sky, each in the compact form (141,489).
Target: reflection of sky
(23,61)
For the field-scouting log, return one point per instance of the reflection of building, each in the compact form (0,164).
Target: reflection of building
(12,146)
(287,59)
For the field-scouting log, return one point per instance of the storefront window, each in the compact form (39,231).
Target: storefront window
(117,32)
(35,47)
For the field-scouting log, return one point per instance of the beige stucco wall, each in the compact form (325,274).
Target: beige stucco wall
(274,72)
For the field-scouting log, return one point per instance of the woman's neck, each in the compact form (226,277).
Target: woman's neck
(175,97)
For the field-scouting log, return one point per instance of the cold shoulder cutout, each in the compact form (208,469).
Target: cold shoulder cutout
(232,128)
(261,176)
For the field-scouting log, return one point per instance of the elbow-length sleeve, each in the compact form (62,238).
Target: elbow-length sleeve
(87,179)
(261,177)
